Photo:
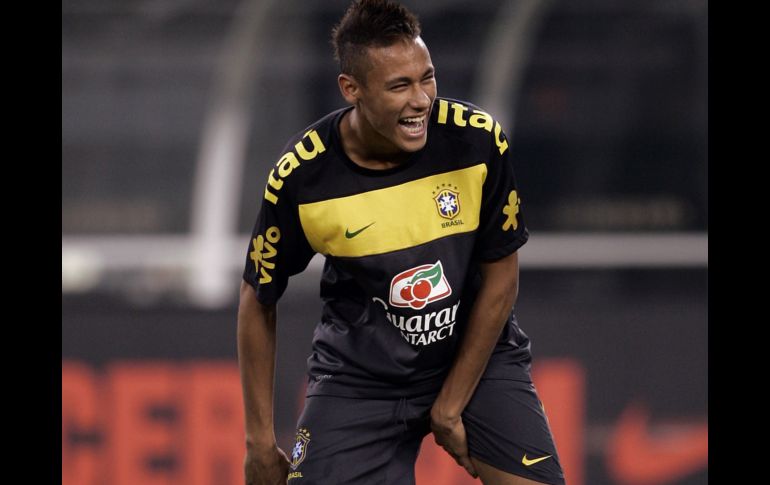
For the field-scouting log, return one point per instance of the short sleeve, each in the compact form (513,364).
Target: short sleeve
(278,249)
(501,225)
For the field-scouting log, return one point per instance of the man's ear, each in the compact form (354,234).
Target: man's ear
(349,88)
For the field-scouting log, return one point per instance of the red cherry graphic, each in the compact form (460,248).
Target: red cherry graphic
(422,289)
(406,293)
(417,303)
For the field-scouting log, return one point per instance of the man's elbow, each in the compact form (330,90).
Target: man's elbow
(247,291)
(249,304)
(501,278)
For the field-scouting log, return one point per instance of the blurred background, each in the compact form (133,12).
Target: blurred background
(173,113)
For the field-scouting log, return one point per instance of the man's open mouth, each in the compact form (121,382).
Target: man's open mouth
(414,125)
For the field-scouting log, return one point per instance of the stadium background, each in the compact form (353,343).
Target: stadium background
(173,113)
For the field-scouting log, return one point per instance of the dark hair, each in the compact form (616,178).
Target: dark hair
(370,23)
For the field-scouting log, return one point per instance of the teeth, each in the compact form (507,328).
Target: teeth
(418,119)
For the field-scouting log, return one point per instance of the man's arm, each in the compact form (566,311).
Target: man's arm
(499,289)
(265,463)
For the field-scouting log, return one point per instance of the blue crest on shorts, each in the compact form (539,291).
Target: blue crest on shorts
(299,451)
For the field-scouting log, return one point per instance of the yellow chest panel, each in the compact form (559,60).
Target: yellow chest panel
(397,217)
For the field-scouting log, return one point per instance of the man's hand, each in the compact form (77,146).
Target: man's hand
(449,433)
(266,467)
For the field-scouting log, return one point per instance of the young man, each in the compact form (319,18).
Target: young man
(412,200)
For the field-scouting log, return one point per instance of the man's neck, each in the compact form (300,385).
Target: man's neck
(355,133)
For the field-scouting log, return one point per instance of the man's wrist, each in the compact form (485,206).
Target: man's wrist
(261,443)
(445,413)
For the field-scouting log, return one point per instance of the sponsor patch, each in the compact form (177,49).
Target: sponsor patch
(264,252)
(416,287)
(511,210)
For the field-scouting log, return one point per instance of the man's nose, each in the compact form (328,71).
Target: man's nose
(420,100)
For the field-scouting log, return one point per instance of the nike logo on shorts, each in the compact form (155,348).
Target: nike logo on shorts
(528,462)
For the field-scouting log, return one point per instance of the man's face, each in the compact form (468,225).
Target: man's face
(398,96)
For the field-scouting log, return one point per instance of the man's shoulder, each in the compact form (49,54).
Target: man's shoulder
(322,130)
(326,122)
(463,120)
(461,102)
(307,147)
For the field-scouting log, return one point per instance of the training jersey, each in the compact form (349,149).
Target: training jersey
(402,249)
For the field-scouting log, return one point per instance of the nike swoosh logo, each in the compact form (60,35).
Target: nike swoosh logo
(663,452)
(351,235)
(528,462)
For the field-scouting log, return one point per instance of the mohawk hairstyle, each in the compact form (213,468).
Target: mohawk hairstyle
(370,23)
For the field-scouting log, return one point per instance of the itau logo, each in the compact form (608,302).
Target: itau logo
(416,287)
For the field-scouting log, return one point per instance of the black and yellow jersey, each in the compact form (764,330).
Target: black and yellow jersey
(402,249)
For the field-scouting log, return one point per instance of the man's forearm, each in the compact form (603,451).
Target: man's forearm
(487,318)
(256,359)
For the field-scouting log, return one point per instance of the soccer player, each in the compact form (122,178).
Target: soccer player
(412,200)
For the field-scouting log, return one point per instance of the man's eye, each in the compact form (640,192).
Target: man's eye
(398,87)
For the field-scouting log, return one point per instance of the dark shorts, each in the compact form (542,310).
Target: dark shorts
(344,440)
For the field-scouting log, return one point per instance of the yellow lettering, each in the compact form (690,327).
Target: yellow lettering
(256,254)
(458,118)
(274,182)
(269,252)
(477,119)
(289,162)
(269,196)
(480,119)
(318,146)
(273,234)
(267,264)
(286,164)
(266,278)
(502,145)
(443,111)
(263,251)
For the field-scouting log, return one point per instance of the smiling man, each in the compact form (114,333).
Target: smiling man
(412,200)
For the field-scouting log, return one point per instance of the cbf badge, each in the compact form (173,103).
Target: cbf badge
(447,202)
(300,447)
